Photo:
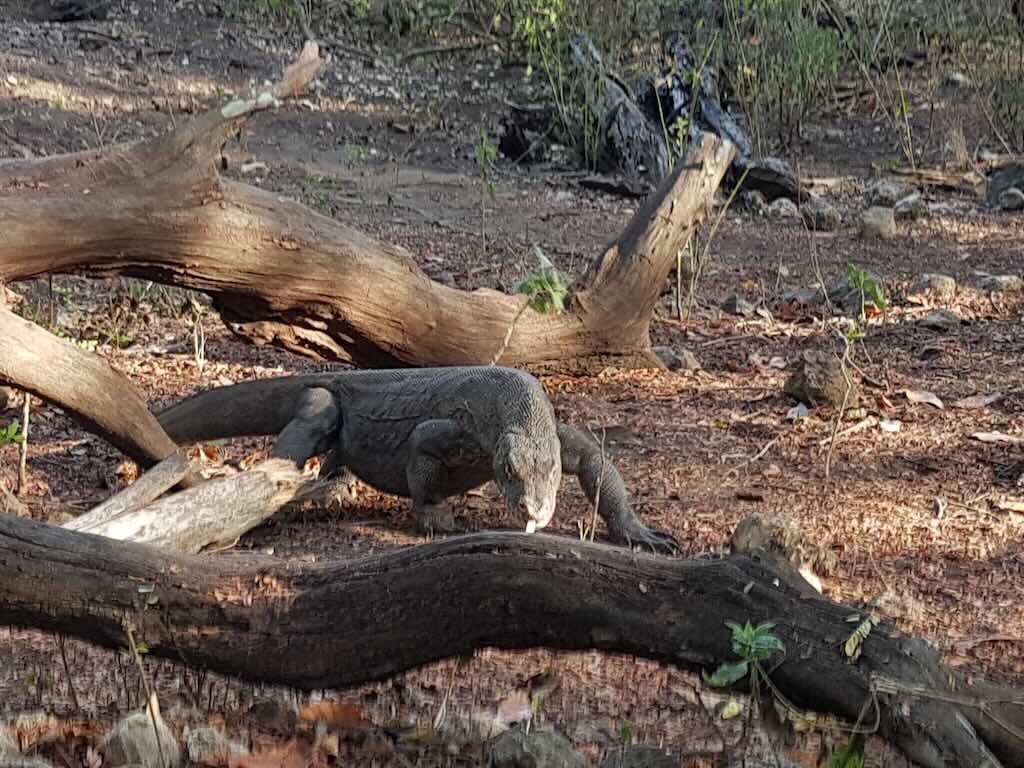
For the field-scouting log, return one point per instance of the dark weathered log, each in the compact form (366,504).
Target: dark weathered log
(280,273)
(215,513)
(101,399)
(338,624)
(146,489)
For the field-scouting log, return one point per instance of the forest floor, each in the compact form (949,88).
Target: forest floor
(927,521)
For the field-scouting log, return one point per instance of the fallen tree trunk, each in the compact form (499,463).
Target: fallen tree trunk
(338,624)
(103,400)
(280,273)
(214,514)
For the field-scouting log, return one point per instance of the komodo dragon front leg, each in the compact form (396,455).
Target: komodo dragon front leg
(582,457)
(312,429)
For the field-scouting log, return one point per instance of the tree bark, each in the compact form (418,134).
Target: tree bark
(103,400)
(280,273)
(214,514)
(343,623)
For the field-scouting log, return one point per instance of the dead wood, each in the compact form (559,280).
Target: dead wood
(145,490)
(344,623)
(100,398)
(281,273)
(211,515)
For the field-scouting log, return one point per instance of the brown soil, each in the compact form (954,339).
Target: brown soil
(919,518)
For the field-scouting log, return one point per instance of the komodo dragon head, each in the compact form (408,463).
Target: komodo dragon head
(528,470)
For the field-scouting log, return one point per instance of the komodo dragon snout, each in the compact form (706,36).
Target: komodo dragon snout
(529,472)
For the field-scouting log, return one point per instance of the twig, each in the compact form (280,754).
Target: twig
(865,423)
(434,50)
(508,333)
(152,706)
(67,671)
(600,482)
(23,448)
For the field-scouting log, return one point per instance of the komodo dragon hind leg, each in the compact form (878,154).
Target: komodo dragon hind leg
(582,457)
(316,421)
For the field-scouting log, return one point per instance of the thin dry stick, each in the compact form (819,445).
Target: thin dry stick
(67,671)
(23,452)
(509,332)
(842,408)
(600,482)
(152,706)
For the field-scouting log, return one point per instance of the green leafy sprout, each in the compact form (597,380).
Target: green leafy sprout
(753,645)
(546,288)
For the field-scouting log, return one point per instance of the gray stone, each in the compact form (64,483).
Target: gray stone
(1011,199)
(133,741)
(536,749)
(850,299)
(932,287)
(207,745)
(820,381)
(684,360)
(885,193)
(940,320)
(957,80)
(911,208)
(737,305)
(751,201)
(1002,283)
(783,208)
(642,756)
(805,296)
(772,176)
(878,223)
(1005,177)
(820,215)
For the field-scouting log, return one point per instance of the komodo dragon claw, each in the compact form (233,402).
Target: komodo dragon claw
(658,542)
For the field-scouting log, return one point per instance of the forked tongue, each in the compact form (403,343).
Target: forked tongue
(531,526)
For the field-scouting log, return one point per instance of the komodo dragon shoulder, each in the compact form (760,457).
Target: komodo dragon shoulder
(425,434)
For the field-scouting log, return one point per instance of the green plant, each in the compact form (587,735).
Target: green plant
(485,153)
(869,288)
(850,755)
(12,434)
(784,62)
(546,289)
(753,645)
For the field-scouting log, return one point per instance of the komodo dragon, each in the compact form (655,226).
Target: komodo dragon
(427,434)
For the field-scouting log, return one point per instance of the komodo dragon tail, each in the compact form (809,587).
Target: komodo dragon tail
(262,407)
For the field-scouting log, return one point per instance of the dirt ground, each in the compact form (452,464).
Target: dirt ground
(927,521)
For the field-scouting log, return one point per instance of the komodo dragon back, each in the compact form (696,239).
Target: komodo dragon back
(262,407)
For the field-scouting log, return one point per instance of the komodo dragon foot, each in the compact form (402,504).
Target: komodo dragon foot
(658,542)
(433,519)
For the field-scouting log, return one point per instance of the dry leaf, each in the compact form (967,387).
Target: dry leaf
(977,401)
(890,425)
(333,713)
(292,755)
(998,437)
(298,74)
(1010,505)
(920,396)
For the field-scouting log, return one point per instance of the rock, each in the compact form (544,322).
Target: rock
(208,746)
(771,176)
(805,296)
(783,208)
(911,208)
(940,320)
(957,80)
(642,756)
(536,749)
(133,741)
(885,193)
(684,360)
(751,201)
(1011,199)
(820,215)
(932,288)
(850,299)
(820,381)
(835,134)
(1006,176)
(878,223)
(1002,283)
(737,305)
(70,10)
(6,395)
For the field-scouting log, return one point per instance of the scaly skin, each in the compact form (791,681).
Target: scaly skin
(425,434)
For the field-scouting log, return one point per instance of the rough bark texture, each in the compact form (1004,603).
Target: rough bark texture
(103,400)
(215,513)
(338,624)
(280,273)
